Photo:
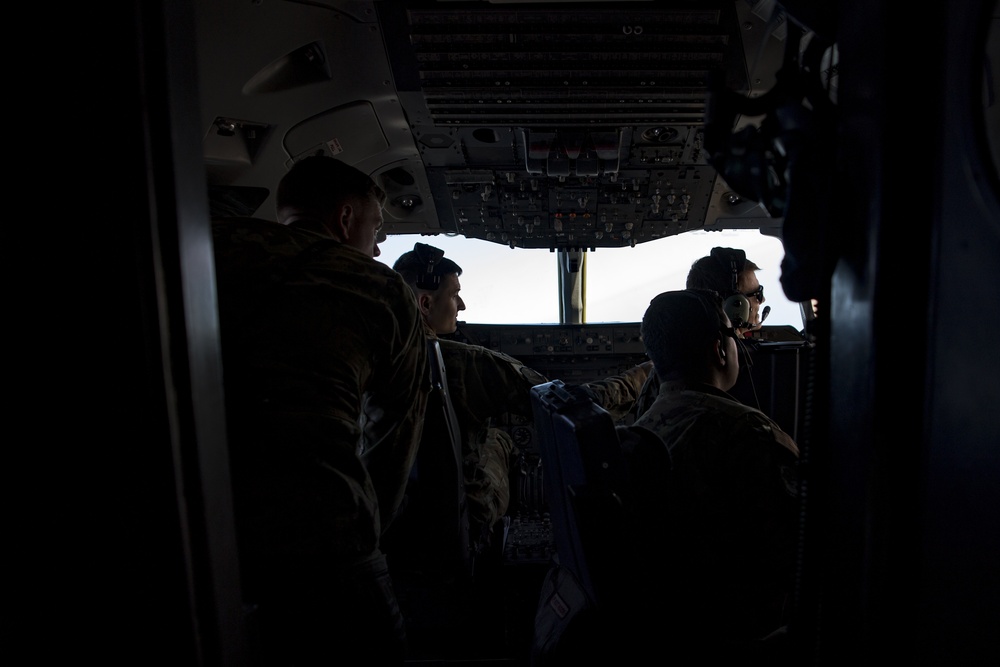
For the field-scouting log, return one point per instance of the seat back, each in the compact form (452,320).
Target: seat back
(430,537)
(444,449)
(583,480)
(601,483)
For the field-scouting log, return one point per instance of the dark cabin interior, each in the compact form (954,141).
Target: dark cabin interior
(901,561)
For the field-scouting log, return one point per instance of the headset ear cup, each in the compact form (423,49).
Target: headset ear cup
(737,307)
(732,260)
(429,255)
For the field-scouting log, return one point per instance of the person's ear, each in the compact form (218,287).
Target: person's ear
(425,301)
(719,356)
(343,222)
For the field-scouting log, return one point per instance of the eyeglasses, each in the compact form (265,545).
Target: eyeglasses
(757,294)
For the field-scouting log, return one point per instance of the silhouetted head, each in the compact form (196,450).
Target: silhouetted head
(332,198)
(687,336)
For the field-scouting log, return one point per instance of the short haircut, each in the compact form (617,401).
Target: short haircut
(715,271)
(413,265)
(320,184)
(678,326)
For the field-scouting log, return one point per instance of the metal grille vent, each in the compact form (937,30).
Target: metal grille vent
(567,67)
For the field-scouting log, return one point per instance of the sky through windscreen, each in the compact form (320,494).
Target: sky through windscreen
(501,285)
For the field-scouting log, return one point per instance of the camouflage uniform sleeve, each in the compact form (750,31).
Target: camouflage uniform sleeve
(618,394)
(486,383)
(402,389)
(764,463)
(486,468)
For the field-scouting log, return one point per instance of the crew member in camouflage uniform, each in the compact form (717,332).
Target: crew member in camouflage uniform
(728,518)
(728,272)
(313,328)
(485,384)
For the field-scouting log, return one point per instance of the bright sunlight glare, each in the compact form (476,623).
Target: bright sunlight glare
(501,285)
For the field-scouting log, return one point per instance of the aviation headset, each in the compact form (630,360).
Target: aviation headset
(737,305)
(710,311)
(429,256)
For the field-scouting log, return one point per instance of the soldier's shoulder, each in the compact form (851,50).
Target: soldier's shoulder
(459,347)
(756,422)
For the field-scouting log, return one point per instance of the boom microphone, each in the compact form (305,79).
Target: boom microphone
(764,313)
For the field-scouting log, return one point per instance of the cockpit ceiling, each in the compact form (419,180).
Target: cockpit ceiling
(560,125)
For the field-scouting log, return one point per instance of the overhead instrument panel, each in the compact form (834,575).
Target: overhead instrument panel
(563,125)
